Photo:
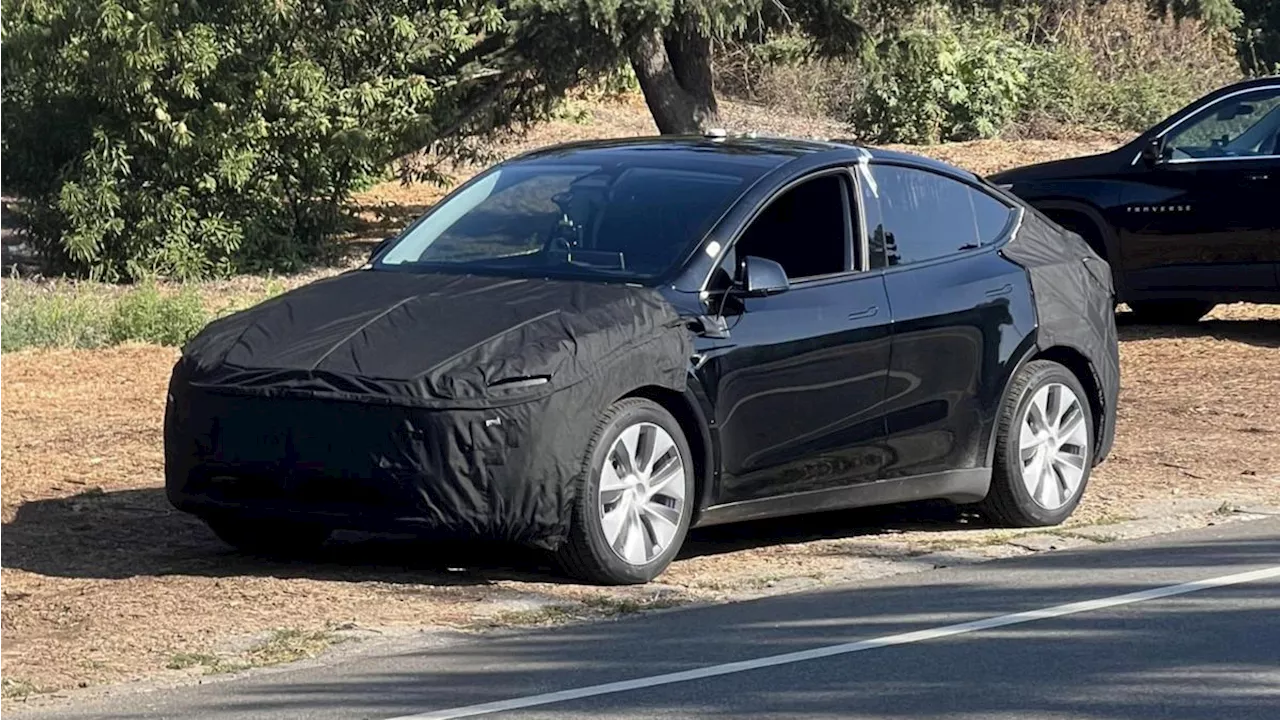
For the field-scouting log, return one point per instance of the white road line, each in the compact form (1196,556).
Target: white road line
(847,648)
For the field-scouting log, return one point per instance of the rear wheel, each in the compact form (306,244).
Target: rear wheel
(1170,312)
(633,507)
(268,537)
(1044,450)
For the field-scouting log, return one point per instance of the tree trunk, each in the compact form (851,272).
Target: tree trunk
(675,76)
(690,53)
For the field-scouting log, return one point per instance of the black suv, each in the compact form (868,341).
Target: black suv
(591,348)
(1188,214)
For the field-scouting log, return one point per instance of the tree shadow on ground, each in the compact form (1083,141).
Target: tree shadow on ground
(130,533)
(1260,332)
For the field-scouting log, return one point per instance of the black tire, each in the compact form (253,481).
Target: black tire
(1009,503)
(270,537)
(587,554)
(1170,312)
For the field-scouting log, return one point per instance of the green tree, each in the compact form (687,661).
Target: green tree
(189,138)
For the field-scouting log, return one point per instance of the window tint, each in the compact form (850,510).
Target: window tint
(806,230)
(916,215)
(990,216)
(1241,126)
(619,221)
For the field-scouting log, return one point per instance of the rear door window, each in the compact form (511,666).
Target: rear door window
(916,216)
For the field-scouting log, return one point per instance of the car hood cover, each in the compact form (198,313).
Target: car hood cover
(431,338)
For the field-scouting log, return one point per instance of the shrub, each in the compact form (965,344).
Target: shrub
(1118,66)
(88,315)
(145,315)
(940,73)
(945,77)
(786,71)
(61,316)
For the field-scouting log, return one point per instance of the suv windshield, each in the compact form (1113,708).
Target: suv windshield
(623,222)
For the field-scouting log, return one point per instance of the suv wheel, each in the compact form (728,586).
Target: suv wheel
(1044,450)
(267,536)
(1170,312)
(633,507)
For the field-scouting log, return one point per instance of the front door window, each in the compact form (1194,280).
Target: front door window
(1241,126)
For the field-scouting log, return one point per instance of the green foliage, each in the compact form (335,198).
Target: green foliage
(84,315)
(942,74)
(145,315)
(63,317)
(946,77)
(1117,66)
(181,139)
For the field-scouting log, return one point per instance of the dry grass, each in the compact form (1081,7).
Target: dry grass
(104,582)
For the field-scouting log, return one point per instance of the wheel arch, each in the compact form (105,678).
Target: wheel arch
(687,412)
(1079,366)
(1073,214)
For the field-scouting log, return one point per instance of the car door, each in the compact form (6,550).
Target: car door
(798,384)
(1203,216)
(960,312)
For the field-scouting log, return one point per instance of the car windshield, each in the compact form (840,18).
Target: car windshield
(623,222)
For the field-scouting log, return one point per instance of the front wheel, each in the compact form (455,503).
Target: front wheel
(1044,449)
(1170,312)
(636,498)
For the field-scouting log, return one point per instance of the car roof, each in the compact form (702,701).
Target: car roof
(762,152)
(1207,98)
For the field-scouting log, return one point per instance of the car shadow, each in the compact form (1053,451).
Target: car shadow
(130,533)
(1254,331)
(925,515)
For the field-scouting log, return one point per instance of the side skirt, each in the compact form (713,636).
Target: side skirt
(958,486)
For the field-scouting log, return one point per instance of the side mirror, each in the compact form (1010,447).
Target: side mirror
(760,277)
(1153,152)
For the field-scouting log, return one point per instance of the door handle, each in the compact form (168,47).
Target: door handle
(1258,177)
(864,313)
(1002,290)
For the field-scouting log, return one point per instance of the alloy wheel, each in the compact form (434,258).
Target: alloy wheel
(1054,446)
(642,493)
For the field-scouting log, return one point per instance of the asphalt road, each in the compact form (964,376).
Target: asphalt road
(1108,632)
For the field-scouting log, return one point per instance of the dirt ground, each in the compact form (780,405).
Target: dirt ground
(103,582)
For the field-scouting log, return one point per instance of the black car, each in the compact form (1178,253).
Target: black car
(591,348)
(1188,214)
